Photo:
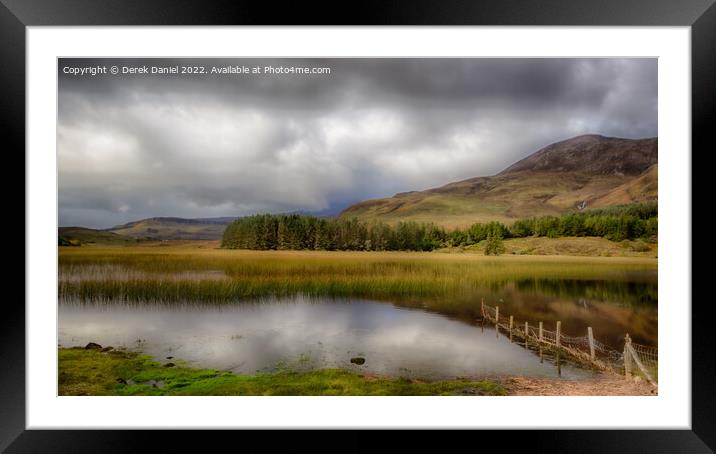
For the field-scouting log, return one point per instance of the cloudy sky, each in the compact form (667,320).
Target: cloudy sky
(137,146)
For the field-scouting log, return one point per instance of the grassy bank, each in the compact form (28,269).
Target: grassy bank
(92,372)
(570,246)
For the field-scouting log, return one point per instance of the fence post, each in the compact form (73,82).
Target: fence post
(511,320)
(559,328)
(541,336)
(627,356)
(527,332)
(557,341)
(640,365)
(590,336)
(497,321)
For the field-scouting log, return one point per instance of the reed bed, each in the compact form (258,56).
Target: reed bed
(214,275)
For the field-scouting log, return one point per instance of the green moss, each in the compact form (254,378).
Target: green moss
(90,372)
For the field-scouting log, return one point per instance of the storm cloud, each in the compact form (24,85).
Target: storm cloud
(132,146)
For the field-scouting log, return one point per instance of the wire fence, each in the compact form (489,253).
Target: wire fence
(649,356)
(646,359)
(634,359)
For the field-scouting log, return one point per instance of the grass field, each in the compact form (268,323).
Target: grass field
(198,271)
(91,372)
(572,246)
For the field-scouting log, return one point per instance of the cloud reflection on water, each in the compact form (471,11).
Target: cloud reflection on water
(246,338)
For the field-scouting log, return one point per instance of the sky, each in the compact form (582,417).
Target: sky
(132,146)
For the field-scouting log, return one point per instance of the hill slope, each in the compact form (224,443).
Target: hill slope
(591,169)
(84,235)
(640,189)
(174,228)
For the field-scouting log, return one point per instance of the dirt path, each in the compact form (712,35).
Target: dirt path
(603,386)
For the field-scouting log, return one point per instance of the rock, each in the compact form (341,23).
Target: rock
(358,360)
(106,349)
(471,392)
(93,346)
(170,357)
(169,365)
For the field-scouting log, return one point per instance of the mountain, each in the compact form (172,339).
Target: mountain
(592,154)
(640,189)
(584,171)
(169,228)
(83,235)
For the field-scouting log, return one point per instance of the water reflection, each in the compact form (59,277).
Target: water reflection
(303,333)
(611,307)
(633,293)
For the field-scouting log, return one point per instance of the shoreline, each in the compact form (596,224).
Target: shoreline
(97,371)
(606,385)
(530,247)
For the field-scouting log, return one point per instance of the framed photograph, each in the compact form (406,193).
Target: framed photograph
(423,219)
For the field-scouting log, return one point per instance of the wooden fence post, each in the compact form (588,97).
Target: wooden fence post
(511,320)
(639,364)
(541,336)
(559,329)
(590,336)
(497,321)
(527,332)
(557,341)
(627,356)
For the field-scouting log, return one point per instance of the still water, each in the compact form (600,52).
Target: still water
(300,334)
(612,308)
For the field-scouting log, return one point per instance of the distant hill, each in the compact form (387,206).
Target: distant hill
(170,228)
(81,235)
(583,171)
(639,189)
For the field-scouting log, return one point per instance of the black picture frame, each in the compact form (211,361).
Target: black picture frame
(16,15)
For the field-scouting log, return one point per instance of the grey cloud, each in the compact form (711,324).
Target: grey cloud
(139,146)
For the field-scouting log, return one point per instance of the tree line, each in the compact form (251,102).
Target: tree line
(302,232)
(294,231)
(625,222)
